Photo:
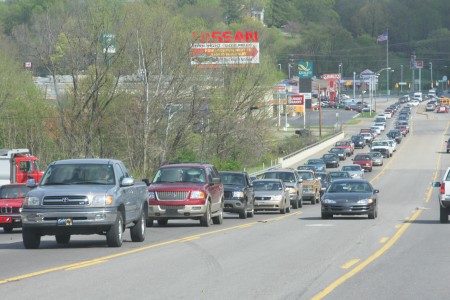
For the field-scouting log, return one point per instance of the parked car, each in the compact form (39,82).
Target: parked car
(364,160)
(377,158)
(271,195)
(340,152)
(358,141)
(331,160)
(238,193)
(12,197)
(350,197)
(311,186)
(335,175)
(318,163)
(292,181)
(355,171)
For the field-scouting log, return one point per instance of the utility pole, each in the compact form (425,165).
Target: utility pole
(401,78)
(431,74)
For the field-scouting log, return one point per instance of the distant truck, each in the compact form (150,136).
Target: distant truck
(17,166)
(85,196)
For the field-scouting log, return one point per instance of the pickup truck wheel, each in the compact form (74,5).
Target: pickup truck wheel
(243,213)
(313,200)
(137,232)
(62,238)
(251,213)
(163,222)
(7,229)
(295,204)
(300,202)
(218,219)
(114,236)
(288,208)
(149,222)
(31,240)
(443,215)
(205,220)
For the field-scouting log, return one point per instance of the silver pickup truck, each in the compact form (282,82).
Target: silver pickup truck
(85,196)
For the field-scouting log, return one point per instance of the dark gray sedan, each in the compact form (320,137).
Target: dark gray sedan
(350,197)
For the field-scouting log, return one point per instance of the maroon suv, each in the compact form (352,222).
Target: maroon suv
(186,191)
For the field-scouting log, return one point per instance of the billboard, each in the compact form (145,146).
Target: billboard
(216,49)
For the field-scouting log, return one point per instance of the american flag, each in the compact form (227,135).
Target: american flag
(383,37)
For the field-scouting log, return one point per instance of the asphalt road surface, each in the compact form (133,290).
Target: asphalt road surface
(400,255)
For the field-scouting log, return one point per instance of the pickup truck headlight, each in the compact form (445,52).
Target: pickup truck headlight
(328,201)
(238,194)
(365,201)
(101,200)
(151,195)
(31,201)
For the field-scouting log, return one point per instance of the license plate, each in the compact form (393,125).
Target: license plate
(171,211)
(64,222)
(5,219)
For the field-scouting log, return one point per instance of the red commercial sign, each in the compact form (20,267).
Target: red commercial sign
(217,48)
(296,100)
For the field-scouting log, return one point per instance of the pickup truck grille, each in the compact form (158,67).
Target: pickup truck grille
(66,200)
(176,196)
(262,198)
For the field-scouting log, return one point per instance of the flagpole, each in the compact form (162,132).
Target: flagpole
(387,64)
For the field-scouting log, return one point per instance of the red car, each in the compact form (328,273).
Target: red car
(442,109)
(364,160)
(11,199)
(347,145)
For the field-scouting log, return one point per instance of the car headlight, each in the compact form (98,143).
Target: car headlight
(277,197)
(238,194)
(31,201)
(328,201)
(101,200)
(292,190)
(365,201)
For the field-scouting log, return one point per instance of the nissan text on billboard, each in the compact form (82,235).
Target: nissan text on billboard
(218,48)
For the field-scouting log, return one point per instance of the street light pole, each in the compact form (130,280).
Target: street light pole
(401,78)
(431,74)
(340,79)
(377,74)
(279,65)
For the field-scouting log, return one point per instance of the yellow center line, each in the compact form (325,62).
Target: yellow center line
(383,240)
(350,263)
(128,252)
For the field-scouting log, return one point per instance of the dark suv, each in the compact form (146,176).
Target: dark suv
(238,192)
(186,191)
(292,181)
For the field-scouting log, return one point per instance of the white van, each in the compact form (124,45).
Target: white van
(418,96)
(432,92)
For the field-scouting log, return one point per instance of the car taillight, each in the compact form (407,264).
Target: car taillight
(442,188)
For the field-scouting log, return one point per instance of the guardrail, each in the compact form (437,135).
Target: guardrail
(293,158)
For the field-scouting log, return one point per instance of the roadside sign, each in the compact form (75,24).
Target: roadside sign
(108,43)
(419,64)
(296,100)
(305,69)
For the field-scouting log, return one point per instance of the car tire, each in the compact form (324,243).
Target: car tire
(205,220)
(218,219)
(370,170)
(373,215)
(114,236)
(443,215)
(137,232)
(313,200)
(31,239)
(283,210)
(300,202)
(62,238)
(149,222)
(295,204)
(288,208)
(326,216)
(163,222)
(7,229)
(251,213)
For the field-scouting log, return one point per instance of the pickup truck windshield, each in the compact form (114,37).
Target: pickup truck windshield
(82,174)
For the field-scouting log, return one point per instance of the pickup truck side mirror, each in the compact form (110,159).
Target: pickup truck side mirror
(147,182)
(31,183)
(127,181)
